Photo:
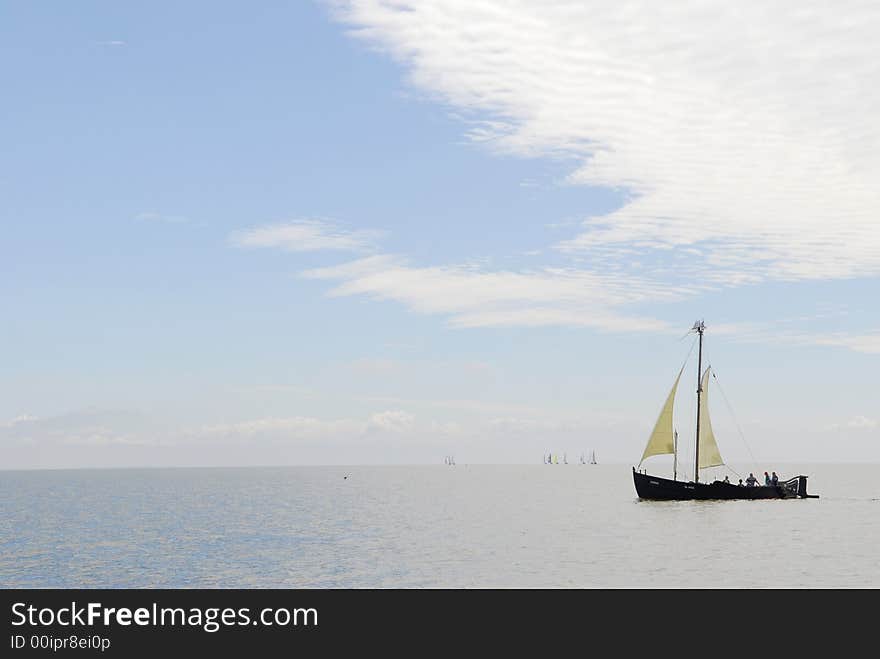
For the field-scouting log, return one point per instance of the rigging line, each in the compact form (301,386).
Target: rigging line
(729,468)
(690,352)
(735,420)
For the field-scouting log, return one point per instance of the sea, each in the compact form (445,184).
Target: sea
(437,526)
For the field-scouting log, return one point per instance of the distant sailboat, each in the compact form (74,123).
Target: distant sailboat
(565,458)
(593,457)
(582,461)
(664,440)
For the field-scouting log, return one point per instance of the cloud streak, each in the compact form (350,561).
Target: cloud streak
(473,297)
(781,332)
(305,235)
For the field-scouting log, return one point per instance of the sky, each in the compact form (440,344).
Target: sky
(375,232)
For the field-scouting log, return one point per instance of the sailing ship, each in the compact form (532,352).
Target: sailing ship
(593,457)
(664,440)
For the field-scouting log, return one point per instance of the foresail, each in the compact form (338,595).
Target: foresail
(661,441)
(710,456)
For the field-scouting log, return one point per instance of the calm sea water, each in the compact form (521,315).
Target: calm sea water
(426,526)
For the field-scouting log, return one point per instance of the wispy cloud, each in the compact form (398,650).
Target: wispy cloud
(83,428)
(470,295)
(305,235)
(867,343)
(114,43)
(395,421)
(290,428)
(295,429)
(745,130)
(466,405)
(474,297)
(93,428)
(19,420)
(862,422)
(856,423)
(783,331)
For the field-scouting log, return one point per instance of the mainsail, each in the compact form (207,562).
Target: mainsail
(709,454)
(661,441)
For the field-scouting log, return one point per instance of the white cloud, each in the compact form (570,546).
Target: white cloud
(305,236)
(19,420)
(301,429)
(856,423)
(474,297)
(91,428)
(461,405)
(862,422)
(539,426)
(84,428)
(287,428)
(868,343)
(746,130)
(781,331)
(395,421)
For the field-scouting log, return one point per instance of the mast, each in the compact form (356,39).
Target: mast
(675,456)
(700,327)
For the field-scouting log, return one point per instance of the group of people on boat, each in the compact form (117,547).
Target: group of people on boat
(751,481)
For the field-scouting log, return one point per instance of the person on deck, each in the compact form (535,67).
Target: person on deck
(751,481)
(726,479)
(740,482)
(766,478)
(774,480)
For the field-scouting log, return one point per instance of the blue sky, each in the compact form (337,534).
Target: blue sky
(349,232)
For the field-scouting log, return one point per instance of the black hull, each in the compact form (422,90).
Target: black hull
(664,489)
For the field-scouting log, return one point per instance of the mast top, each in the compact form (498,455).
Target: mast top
(699,326)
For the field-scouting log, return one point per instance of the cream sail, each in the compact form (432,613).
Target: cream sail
(710,456)
(662,441)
